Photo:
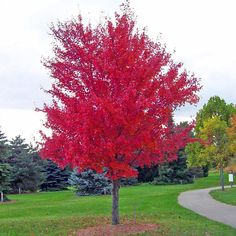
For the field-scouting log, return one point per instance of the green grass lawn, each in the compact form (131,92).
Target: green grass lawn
(228,196)
(57,213)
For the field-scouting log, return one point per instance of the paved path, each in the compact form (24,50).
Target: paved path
(202,203)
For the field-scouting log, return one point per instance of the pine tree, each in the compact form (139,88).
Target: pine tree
(3,147)
(55,178)
(90,183)
(26,173)
(4,167)
(4,180)
(128,181)
(175,172)
(147,174)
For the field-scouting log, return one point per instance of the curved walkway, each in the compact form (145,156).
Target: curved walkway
(202,203)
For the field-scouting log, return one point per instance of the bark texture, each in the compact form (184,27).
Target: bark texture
(222,178)
(115,202)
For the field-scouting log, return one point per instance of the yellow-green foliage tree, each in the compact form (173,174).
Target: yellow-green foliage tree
(214,107)
(218,145)
(215,138)
(198,154)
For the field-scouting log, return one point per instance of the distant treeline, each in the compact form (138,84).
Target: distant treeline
(22,170)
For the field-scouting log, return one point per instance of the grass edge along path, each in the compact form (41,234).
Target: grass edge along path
(62,213)
(228,196)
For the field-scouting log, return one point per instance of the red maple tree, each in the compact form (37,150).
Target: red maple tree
(114,91)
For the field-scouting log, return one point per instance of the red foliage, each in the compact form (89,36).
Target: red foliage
(114,91)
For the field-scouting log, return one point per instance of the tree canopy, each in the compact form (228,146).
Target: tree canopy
(216,114)
(212,127)
(214,107)
(114,91)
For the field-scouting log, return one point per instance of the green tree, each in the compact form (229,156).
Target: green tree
(214,107)
(3,147)
(4,180)
(55,178)
(147,174)
(4,167)
(26,173)
(90,183)
(175,172)
(215,149)
(197,158)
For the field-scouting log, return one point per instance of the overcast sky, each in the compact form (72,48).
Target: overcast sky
(202,32)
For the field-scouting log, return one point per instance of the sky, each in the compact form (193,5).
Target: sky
(202,33)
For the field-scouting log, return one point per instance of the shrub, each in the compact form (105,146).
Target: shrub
(90,183)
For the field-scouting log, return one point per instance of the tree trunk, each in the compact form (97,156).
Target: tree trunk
(115,202)
(2,198)
(222,177)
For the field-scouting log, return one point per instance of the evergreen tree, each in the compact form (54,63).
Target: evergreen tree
(90,183)
(4,167)
(128,181)
(55,178)
(3,147)
(26,173)
(147,174)
(175,172)
(4,180)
